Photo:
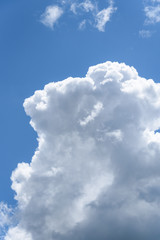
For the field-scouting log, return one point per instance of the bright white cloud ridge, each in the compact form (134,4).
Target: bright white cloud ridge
(95,173)
(51,16)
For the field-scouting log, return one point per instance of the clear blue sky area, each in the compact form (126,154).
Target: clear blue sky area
(32,55)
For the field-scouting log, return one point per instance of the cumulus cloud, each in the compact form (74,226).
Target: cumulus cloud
(51,16)
(95,173)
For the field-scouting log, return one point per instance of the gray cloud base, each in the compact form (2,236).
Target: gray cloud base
(96,171)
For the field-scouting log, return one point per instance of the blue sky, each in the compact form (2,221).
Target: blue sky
(33,54)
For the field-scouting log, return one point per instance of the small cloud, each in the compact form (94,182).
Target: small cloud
(82,25)
(152,13)
(87,6)
(103,17)
(73,8)
(145,33)
(51,16)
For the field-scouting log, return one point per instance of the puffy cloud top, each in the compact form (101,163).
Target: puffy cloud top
(95,173)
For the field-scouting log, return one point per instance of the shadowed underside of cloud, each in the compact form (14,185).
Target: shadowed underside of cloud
(95,174)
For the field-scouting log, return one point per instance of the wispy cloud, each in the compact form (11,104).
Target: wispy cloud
(87,6)
(51,16)
(5,218)
(100,17)
(152,17)
(103,17)
(73,8)
(152,12)
(88,9)
(145,33)
(82,24)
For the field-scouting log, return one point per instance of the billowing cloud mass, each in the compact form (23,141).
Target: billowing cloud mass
(87,10)
(51,16)
(96,171)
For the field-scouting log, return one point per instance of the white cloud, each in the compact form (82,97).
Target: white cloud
(103,17)
(82,24)
(73,8)
(100,17)
(17,233)
(51,16)
(145,33)
(5,218)
(87,11)
(94,113)
(152,12)
(95,174)
(87,5)
(5,212)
